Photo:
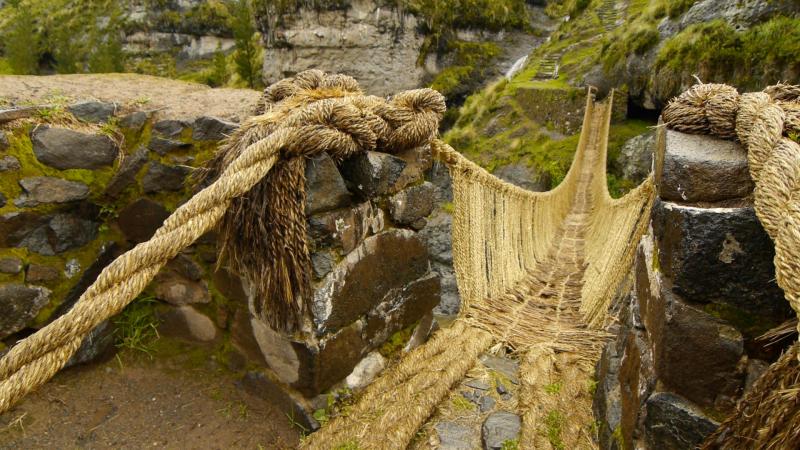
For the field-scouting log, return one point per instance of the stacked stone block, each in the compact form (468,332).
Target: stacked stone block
(703,291)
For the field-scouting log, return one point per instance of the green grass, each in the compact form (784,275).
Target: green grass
(136,327)
(510,444)
(554,423)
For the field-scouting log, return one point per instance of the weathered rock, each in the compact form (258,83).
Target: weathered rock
(696,355)
(99,342)
(176,289)
(755,368)
(486,404)
(185,322)
(133,121)
(321,263)
(10,265)
(3,200)
(673,423)
(92,111)
(212,129)
(453,436)
(19,305)
(402,308)
(372,174)
(72,268)
(498,428)
(325,188)
(418,160)
(523,176)
(720,256)
(140,220)
(170,127)
(4,144)
(160,177)
(67,149)
(46,234)
(366,371)
(9,163)
(422,331)
(162,146)
(126,175)
(38,273)
(437,238)
(412,204)
(636,156)
(345,228)
(506,366)
(38,190)
(702,168)
(477,384)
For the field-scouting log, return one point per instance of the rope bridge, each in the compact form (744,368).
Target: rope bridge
(536,271)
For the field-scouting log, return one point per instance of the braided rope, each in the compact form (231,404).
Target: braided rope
(302,120)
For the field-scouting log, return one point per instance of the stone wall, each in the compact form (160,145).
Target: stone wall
(82,183)
(703,291)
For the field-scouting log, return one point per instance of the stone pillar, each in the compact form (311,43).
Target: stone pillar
(371,270)
(703,290)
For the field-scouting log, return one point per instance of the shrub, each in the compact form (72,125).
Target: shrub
(247,54)
(22,43)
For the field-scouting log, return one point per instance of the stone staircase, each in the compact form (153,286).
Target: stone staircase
(608,14)
(548,66)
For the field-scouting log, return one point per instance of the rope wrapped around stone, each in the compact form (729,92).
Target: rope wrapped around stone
(309,114)
(768,416)
(760,121)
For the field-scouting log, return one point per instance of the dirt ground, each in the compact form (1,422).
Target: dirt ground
(172,98)
(184,401)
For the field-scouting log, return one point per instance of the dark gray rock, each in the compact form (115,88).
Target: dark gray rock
(38,190)
(345,228)
(9,163)
(170,127)
(133,121)
(67,149)
(739,13)
(755,368)
(96,344)
(19,305)
(453,436)
(372,174)
(412,204)
(636,157)
(506,366)
(721,256)
(162,146)
(3,200)
(4,144)
(38,273)
(265,386)
(46,234)
(126,175)
(523,176)
(10,265)
(702,168)
(212,129)
(402,308)
(437,238)
(175,289)
(321,263)
(381,265)
(92,111)
(498,428)
(477,384)
(486,404)
(325,188)
(696,355)
(672,423)
(161,177)
(140,220)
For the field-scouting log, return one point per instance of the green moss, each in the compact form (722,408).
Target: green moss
(351,444)
(553,388)
(554,423)
(749,324)
(394,345)
(618,437)
(459,403)
(510,444)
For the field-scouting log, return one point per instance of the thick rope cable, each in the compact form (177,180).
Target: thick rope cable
(768,416)
(307,123)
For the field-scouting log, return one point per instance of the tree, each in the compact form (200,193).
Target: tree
(108,55)
(23,44)
(247,55)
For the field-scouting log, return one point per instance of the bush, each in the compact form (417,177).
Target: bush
(247,54)
(676,8)
(23,44)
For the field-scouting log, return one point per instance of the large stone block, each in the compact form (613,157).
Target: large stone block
(345,228)
(373,174)
(37,190)
(140,220)
(695,354)
(721,257)
(46,234)
(19,304)
(382,264)
(325,188)
(701,168)
(67,149)
(672,423)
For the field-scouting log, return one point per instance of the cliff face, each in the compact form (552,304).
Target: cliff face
(379,46)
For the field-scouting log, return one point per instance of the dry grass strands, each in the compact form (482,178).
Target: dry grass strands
(766,417)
